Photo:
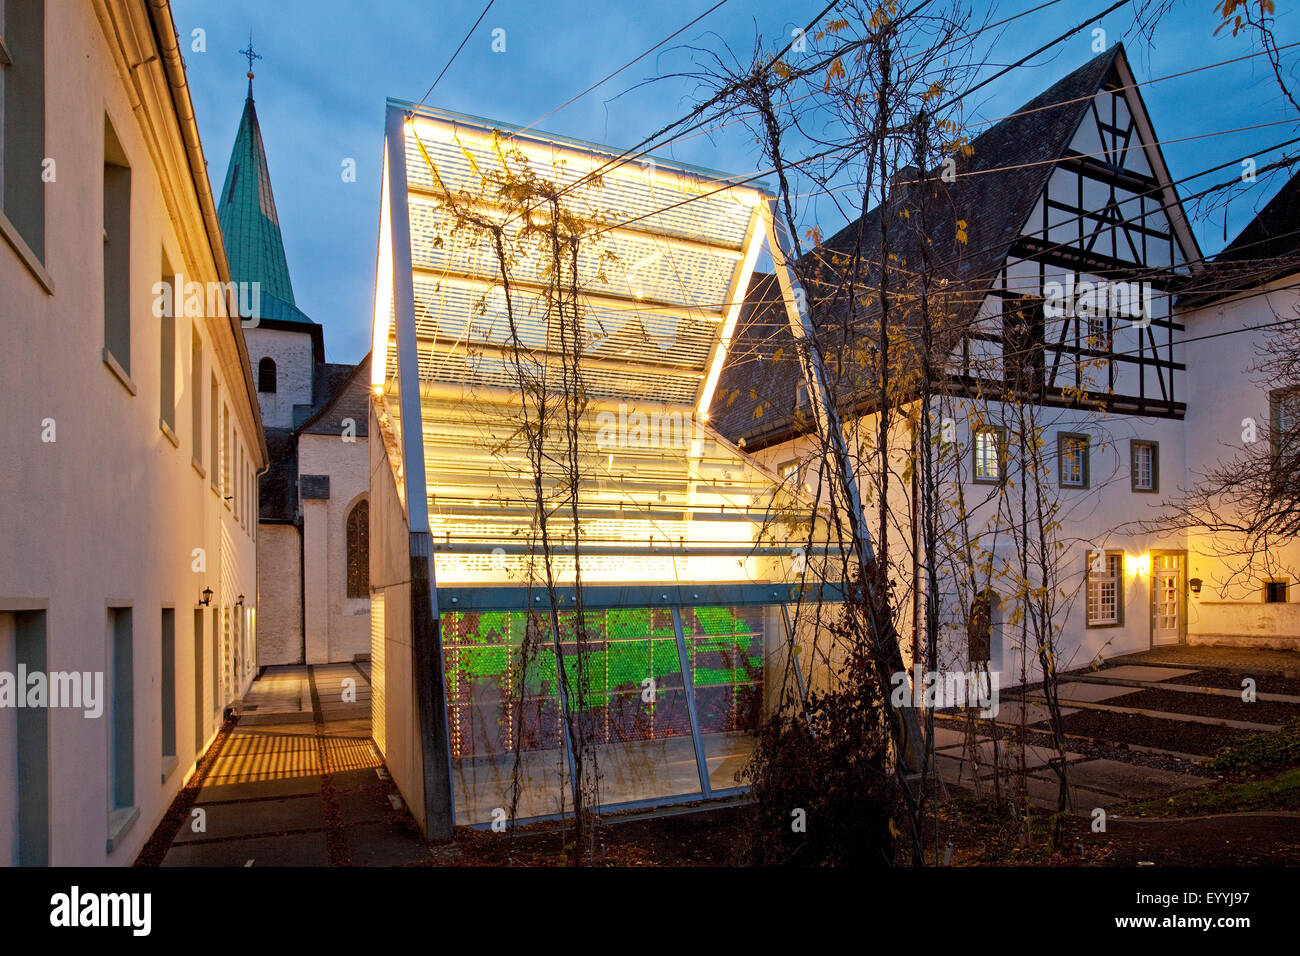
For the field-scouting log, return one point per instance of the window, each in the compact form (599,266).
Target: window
(214,432)
(22,123)
(990,454)
(198,681)
(122,725)
(1022,342)
(226,692)
(1284,414)
(979,628)
(168,686)
(196,395)
(24,746)
(1144,466)
(358,537)
(217,617)
(800,395)
(1105,588)
(117,252)
(237,481)
(167,357)
(227,454)
(266,375)
(1275,591)
(1097,334)
(792,474)
(1072,460)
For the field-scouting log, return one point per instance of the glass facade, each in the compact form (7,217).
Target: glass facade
(628,697)
(559,451)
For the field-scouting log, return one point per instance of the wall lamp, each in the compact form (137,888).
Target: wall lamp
(1194,585)
(205,596)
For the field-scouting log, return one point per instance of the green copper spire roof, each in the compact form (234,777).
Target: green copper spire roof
(250,227)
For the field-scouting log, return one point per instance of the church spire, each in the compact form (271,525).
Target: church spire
(250,227)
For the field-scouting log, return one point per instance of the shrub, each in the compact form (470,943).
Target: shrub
(1272,750)
(830,761)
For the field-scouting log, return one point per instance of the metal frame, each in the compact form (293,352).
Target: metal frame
(798,669)
(437,816)
(688,683)
(428,601)
(499,597)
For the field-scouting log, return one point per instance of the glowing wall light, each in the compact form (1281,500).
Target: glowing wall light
(1137,564)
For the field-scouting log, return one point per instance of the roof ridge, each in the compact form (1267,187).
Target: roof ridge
(342,389)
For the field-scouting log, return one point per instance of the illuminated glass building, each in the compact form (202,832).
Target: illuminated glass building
(680,549)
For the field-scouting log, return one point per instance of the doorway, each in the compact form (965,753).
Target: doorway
(1168,598)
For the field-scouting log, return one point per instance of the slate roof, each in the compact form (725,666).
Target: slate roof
(250,226)
(278,488)
(755,399)
(338,392)
(1266,250)
(348,397)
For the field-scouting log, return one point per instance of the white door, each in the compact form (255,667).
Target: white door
(1166,598)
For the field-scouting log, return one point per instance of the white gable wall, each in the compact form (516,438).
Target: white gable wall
(1223,397)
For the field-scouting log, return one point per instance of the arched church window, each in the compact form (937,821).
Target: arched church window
(358,538)
(266,375)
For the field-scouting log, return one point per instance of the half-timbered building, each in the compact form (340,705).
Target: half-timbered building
(1054,246)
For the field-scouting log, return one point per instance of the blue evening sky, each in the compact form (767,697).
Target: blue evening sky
(330,65)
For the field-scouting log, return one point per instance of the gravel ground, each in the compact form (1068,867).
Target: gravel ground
(1208,705)
(1095,749)
(1255,660)
(1176,735)
(1110,750)
(1231,680)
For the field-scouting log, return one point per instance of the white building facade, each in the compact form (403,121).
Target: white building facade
(128,570)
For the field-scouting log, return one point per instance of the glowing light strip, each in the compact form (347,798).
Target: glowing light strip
(383,292)
(743,276)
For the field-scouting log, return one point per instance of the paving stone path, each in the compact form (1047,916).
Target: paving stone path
(298,782)
(1099,782)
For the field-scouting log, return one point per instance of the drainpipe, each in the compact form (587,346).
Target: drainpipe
(302,587)
(164,33)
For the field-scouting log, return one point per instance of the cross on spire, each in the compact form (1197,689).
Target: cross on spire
(250,54)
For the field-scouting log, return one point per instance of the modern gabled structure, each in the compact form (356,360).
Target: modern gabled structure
(670,537)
